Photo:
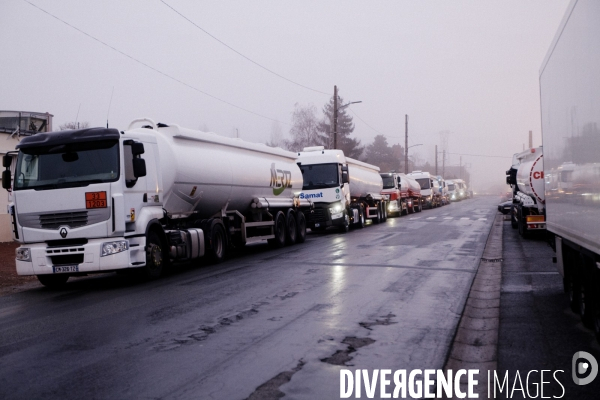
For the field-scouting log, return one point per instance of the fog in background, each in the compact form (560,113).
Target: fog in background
(468,68)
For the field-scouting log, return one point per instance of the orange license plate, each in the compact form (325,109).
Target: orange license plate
(95,200)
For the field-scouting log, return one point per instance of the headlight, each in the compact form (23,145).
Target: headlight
(23,254)
(118,246)
(336,208)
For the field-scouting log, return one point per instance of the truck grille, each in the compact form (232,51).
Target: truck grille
(67,259)
(317,215)
(70,219)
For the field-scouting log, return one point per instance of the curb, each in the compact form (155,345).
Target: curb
(475,344)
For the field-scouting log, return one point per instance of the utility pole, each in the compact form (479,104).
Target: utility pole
(335,116)
(444,163)
(530,139)
(460,168)
(406,143)
(436,171)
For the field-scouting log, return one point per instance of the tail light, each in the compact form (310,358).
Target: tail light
(535,218)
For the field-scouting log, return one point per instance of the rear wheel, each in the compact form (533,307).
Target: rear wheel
(377,219)
(292,231)
(53,281)
(279,229)
(513,221)
(409,210)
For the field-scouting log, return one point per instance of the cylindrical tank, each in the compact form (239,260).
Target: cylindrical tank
(364,178)
(205,172)
(530,178)
(411,185)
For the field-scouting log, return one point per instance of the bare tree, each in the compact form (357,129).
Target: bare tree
(305,128)
(74,125)
(277,139)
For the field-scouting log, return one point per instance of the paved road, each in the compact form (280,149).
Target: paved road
(387,296)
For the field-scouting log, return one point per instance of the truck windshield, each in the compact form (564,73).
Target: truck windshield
(67,165)
(425,183)
(388,181)
(320,176)
(451,187)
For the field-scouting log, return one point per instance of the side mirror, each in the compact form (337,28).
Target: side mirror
(137,148)
(345,174)
(6,179)
(6,161)
(139,167)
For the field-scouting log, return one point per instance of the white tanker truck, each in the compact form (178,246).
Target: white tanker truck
(97,200)
(526,177)
(404,193)
(344,191)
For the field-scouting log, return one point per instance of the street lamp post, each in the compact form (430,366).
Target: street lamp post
(335,114)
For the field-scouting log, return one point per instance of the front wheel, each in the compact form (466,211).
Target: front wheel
(53,281)
(154,256)
(218,242)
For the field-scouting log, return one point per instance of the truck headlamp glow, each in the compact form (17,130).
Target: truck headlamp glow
(23,254)
(336,208)
(118,246)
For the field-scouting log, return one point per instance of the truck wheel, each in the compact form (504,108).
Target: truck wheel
(346,226)
(408,210)
(53,281)
(377,219)
(279,228)
(155,258)
(513,221)
(301,227)
(218,242)
(525,234)
(361,218)
(291,231)
(385,211)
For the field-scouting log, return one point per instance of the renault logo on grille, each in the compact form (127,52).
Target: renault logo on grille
(63,232)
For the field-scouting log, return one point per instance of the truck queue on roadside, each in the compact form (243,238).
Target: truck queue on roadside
(98,199)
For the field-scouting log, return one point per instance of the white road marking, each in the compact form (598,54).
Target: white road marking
(449,218)
(414,218)
(482,219)
(465,218)
(431,217)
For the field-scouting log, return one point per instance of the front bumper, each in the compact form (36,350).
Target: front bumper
(321,217)
(83,258)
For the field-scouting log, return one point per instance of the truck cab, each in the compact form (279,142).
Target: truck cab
(326,184)
(430,188)
(81,200)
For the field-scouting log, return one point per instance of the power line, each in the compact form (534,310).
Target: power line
(240,54)
(153,68)
(477,155)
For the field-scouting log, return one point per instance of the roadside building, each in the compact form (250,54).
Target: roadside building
(14,125)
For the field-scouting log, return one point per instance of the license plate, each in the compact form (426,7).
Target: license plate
(65,268)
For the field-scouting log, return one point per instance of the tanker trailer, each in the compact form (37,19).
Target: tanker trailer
(97,200)
(344,191)
(526,177)
(404,193)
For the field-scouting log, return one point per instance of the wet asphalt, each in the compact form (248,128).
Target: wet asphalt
(284,321)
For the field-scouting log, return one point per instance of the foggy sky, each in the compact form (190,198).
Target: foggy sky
(467,67)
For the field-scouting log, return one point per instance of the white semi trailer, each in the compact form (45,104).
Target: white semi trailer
(96,200)
(344,191)
(526,177)
(570,111)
